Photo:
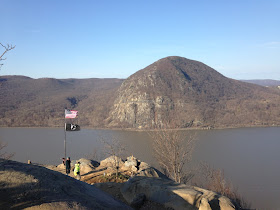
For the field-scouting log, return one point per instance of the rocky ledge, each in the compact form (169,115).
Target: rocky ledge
(173,195)
(35,187)
(30,186)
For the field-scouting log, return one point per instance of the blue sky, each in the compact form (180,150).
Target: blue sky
(114,39)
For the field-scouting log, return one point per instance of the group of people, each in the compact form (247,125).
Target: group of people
(67,164)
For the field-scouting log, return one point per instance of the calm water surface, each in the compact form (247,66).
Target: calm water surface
(250,157)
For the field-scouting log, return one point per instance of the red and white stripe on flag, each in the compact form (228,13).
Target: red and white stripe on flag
(70,113)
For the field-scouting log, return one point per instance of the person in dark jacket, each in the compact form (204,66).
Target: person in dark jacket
(68,165)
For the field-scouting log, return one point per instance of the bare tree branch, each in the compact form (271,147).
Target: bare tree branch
(4,154)
(6,49)
(173,150)
(115,150)
(214,179)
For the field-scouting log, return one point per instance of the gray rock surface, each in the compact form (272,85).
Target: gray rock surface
(112,161)
(174,195)
(138,201)
(150,172)
(86,165)
(143,166)
(131,161)
(138,168)
(30,186)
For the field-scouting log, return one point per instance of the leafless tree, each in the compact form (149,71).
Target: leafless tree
(95,155)
(4,154)
(115,150)
(6,49)
(214,179)
(173,150)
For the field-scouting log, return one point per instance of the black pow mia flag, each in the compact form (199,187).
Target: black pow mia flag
(72,127)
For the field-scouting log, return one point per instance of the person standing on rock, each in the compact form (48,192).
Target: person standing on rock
(77,170)
(68,165)
(63,161)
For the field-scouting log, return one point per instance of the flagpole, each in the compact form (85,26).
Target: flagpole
(69,114)
(64,138)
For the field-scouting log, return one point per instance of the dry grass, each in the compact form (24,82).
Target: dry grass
(120,178)
(214,180)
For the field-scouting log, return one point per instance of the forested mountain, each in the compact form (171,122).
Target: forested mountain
(173,91)
(41,102)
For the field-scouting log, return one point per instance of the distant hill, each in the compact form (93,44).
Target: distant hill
(264,82)
(174,90)
(41,102)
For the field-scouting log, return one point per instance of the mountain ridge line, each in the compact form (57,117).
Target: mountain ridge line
(173,90)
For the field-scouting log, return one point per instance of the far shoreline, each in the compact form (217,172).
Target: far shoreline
(150,130)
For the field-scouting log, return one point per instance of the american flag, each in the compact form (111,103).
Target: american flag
(70,113)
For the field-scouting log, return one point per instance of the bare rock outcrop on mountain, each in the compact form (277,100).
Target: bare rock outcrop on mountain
(186,93)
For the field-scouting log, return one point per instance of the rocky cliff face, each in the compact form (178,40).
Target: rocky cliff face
(148,97)
(179,92)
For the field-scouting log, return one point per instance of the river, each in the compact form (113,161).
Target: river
(250,157)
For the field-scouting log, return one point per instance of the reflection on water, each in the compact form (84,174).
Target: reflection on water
(249,156)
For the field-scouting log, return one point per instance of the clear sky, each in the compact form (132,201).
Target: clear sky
(116,38)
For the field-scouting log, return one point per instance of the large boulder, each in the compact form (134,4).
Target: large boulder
(146,170)
(143,166)
(174,195)
(131,165)
(31,186)
(131,161)
(61,166)
(86,165)
(138,168)
(151,172)
(112,162)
